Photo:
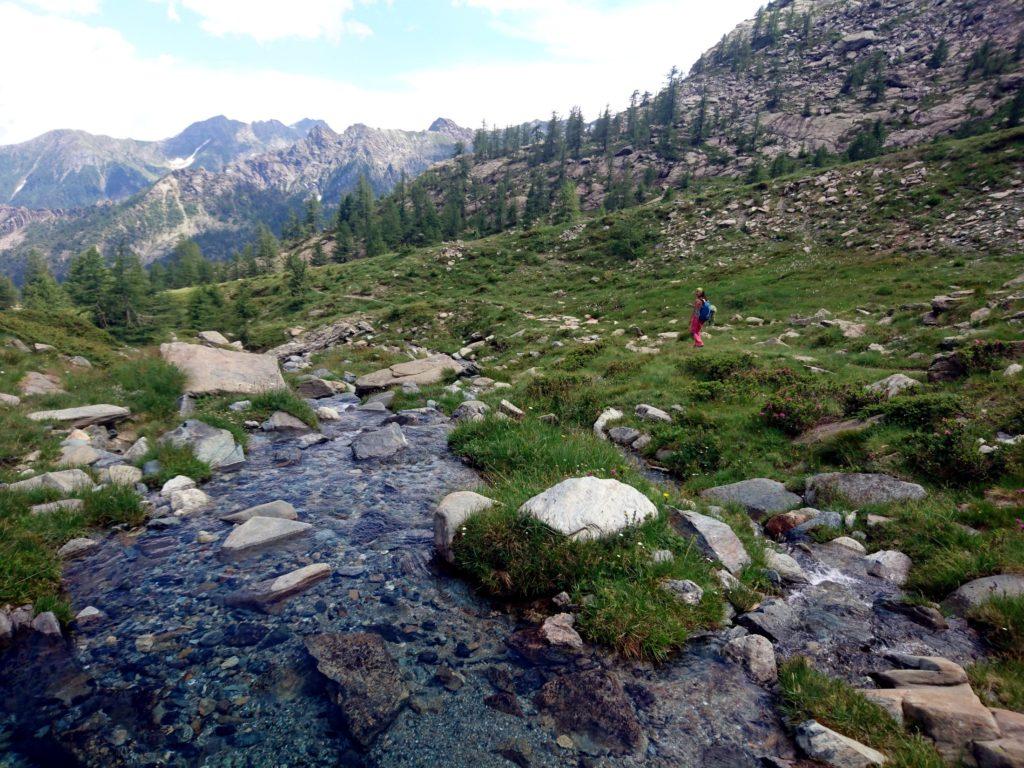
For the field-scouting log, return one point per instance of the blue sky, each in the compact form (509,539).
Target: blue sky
(146,68)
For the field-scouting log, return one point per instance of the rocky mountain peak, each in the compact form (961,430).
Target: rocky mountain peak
(446,126)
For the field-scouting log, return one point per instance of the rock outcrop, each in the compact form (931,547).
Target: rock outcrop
(211,370)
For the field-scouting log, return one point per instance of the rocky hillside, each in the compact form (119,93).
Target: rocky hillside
(220,208)
(73,169)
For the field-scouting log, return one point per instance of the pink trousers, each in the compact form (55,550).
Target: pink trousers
(695,326)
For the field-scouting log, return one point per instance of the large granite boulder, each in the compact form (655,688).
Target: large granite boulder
(759,496)
(976,593)
(367,683)
(714,538)
(35,383)
(860,489)
(84,415)
(217,447)
(589,507)
(428,370)
(213,370)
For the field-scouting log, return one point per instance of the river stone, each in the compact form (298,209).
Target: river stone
(137,450)
(975,593)
(756,654)
(35,383)
(759,496)
(121,474)
(84,416)
(714,538)
(46,624)
(623,435)
(188,500)
(314,388)
(66,481)
(558,630)
(217,447)
(217,371)
(773,618)
(590,508)
(213,337)
(683,590)
(281,421)
(259,531)
(860,489)
(893,385)
(890,565)
(834,749)
(428,370)
(451,514)
(916,671)
(76,548)
(594,709)
(280,509)
(286,585)
(62,505)
(78,456)
(379,444)
(788,568)
(646,412)
(176,483)
(367,683)
(326,413)
(471,410)
(779,525)
(607,415)
(849,543)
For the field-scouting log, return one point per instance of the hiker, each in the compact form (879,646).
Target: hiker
(701,314)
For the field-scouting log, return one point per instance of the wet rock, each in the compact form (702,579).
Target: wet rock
(35,383)
(590,508)
(188,500)
(623,435)
(594,709)
(280,587)
(379,444)
(76,548)
(834,749)
(975,593)
(860,489)
(308,441)
(893,385)
(916,671)
(6,629)
(88,615)
(759,496)
(558,630)
(774,619)
(176,483)
(367,683)
(426,371)
(218,371)
(889,565)
(683,590)
(926,615)
(504,702)
(650,413)
(451,514)
(471,410)
(756,654)
(46,624)
(779,525)
(65,481)
(214,446)
(261,531)
(84,415)
(788,568)
(714,538)
(281,421)
(314,388)
(280,509)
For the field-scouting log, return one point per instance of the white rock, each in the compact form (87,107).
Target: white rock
(122,474)
(213,370)
(756,654)
(650,413)
(834,749)
(846,541)
(259,531)
(88,615)
(890,565)
(684,590)
(138,449)
(178,483)
(451,514)
(558,630)
(326,413)
(46,624)
(589,507)
(607,416)
(188,500)
(65,481)
(893,385)
(1013,369)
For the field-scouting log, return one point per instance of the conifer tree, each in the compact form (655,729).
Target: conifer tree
(8,293)
(574,132)
(568,207)
(87,278)
(125,300)
(343,245)
(313,222)
(319,258)
(40,290)
(297,280)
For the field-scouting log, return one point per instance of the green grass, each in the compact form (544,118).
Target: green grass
(999,682)
(174,461)
(808,694)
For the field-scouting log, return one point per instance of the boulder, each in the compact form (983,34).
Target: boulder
(216,447)
(773,618)
(326,413)
(471,410)
(63,505)
(890,565)
(860,489)
(999,753)
(756,654)
(9,400)
(916,671)
(137,450)
(779,525)
(683,590)
(453,511)
(824,432)
(558,630)
(714,538)
(589,507)
(834,749)
(76,548)
(83,416)
(607,415)
(215,371)
(952,716)
(512,411)
(623,435)
(280,587)
(592,706)
(428,370)
(379,444)
(848,543)
(215,338)
(260,531)
(280,421)
(65,481)
(976,593)
(280,509)
(188,500)
(367,683)
(759,496)
(35,383)
(893,385)
(78,456)
(121,474)
(314,388)
(176,483)
(650,413)
(788,568)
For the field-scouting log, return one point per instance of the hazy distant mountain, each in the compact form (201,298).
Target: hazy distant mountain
(72,169)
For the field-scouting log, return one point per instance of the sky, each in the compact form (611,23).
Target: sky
(147,68)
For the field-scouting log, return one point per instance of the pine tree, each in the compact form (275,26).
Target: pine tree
(391,229)
(297,280)
(343,245)
(319,258)
(243,311)
(314,218)
(939,55)
(205,307)
(568,208)
(8,293)
(699,130)
(602,130)
(125,300)
(454,210)
(553,142)
(87,279)
(40,290)
(267,249)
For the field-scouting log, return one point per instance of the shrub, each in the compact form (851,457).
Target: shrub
(983,355)
(693,450)
(719,367)
(950,455)
(570,396)
(920,411)
(579,356)
(794,410)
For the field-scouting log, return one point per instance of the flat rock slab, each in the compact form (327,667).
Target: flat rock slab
(759,496)
(975,593)
(824,432)
(85,415)
(63,505)
(273,590)
(428,370)
(280,421)
(260,531)
(834,749)
(65,481)
(76,548)
(35,383)
(212,370)
(714,538)
(860,489)
(367,682)
(379,444)
(279,509)
(585,508)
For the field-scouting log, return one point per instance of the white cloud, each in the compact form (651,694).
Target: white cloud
(269,20)
(67,7)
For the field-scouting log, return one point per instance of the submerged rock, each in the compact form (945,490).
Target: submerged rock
(558,630)
(280,508)
(379,444)
(260,531)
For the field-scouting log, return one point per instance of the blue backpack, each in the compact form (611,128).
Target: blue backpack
(707,311)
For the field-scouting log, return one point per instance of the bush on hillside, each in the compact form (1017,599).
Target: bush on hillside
(919,411)
(570,396)
(949,454)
